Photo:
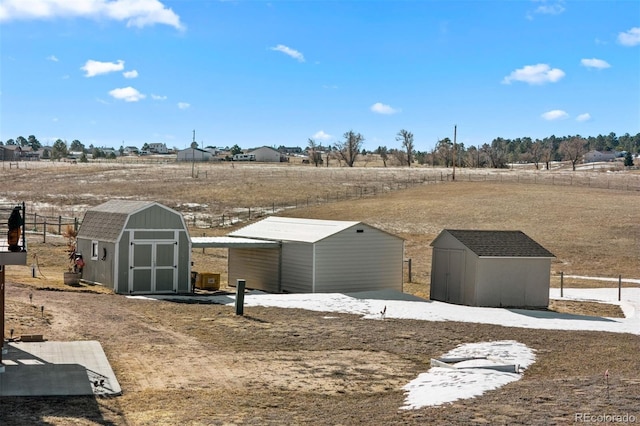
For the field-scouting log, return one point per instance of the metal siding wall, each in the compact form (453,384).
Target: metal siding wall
(297,267)
(513,282)
(259,267)
(350,261)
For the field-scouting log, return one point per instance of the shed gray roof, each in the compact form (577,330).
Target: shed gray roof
(499,243)
(106,221)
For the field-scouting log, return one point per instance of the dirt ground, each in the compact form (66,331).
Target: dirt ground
(200,364)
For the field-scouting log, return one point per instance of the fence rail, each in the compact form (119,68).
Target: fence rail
(399,179)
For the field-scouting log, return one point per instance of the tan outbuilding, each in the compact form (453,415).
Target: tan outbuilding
(317,256)
(490,268)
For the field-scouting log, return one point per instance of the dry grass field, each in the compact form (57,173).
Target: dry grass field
(200,364)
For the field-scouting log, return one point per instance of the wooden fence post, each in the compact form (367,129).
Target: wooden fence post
(561,283)
(44,230)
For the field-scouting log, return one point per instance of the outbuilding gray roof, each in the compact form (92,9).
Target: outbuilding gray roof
(499,243)
(106,221)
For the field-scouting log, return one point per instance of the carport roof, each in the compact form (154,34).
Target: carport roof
(293,229)
(498,243)
(231,242)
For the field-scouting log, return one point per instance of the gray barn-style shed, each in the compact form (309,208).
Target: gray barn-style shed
(490,268)
(317,256)
(135,247)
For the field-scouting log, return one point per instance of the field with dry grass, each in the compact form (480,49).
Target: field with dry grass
(201,364)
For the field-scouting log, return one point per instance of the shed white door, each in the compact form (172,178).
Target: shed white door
(153,266)
(448,275)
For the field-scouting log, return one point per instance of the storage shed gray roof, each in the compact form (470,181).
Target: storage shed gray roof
(106,221)
(499,243)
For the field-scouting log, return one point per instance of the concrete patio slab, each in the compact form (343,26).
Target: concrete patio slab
(57,369)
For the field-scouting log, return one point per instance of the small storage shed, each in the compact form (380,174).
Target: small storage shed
(135,247)
(317,256)
(490,268)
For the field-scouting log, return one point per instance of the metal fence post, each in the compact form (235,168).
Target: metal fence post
(561,283)
(240,297)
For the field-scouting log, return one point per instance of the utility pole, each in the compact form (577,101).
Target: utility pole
(455,128)
(193,153)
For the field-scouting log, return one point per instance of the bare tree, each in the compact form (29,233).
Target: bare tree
(573,150)
(314,153)
(406,137)
(400,156)
(536,151)
(384,154)
(349,149)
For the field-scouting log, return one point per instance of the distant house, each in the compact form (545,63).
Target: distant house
(490,268)
(45,152)
(594,156)
(158,148)
(290,150)
(194,154)
(130,150)
(266,154)
(17,153)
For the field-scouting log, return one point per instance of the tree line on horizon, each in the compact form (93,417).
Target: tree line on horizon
(498,154)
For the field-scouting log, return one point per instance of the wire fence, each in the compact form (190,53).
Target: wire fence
(356,187)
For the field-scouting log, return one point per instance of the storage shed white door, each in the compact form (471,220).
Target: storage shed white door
(448,275)
(153,266)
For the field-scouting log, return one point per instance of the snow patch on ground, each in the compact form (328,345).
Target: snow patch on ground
(441,385)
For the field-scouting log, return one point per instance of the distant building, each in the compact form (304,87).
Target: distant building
(290,149)
(194,154)
(266,154)
(158,148)
(594,156)
(130,150)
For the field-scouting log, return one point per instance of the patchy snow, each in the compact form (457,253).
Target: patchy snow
(405,306)
(441,385)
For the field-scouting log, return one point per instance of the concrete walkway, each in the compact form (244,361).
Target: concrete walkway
(57,369)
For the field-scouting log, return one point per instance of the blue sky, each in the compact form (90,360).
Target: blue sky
(253,73)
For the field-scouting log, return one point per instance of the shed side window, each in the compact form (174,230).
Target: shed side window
(94,250)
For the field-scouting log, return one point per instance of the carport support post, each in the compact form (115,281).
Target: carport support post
(240,297)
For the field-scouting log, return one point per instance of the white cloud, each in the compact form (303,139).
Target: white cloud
(183,105)
(381,108)
(321,135)
(130,74)
(52,58)
(535,74)
(158,97)
(584,117)
(550,9)
(136,13)
(93,68)
(630,38)
(546,8)
(595,63)
(127,94)
(556,114)
(289,51)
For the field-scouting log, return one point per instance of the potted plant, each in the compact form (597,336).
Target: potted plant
(74,273)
